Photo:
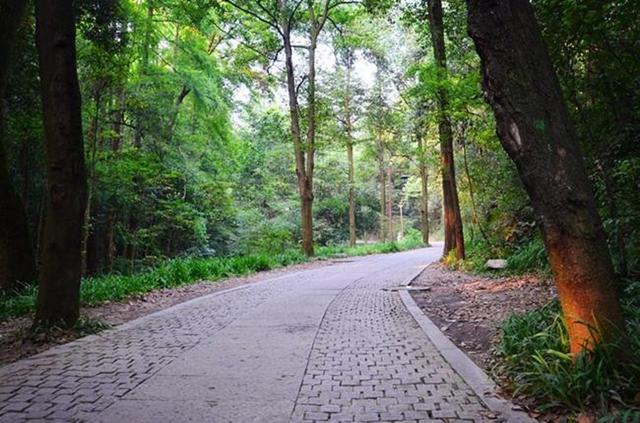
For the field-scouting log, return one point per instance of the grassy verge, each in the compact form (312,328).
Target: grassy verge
(530,257)
(183,271)
(606,382)
(407,243)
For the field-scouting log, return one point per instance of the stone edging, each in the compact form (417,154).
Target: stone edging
(474,376)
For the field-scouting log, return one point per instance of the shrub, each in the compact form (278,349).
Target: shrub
(530,256)
(535,349)
(183,271)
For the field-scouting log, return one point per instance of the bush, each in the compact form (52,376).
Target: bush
(529,257)
(183,271)
(409,242)
(535,348)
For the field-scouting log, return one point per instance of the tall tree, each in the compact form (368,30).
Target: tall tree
(59,281)
(423,170)
(453,235)
(17,261)
(535,130)
(282,17)
(347,118)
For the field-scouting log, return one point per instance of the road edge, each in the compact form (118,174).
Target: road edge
(479,382)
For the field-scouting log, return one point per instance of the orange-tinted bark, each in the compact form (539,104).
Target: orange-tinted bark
(535,130)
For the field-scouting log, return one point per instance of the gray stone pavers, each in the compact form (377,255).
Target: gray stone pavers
(327,344)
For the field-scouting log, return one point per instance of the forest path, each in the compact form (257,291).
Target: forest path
(316,345)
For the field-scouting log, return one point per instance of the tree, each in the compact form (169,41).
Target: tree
(535,130)
(17,261)
(347,117)
(59,279)
(453,235)
(283,17)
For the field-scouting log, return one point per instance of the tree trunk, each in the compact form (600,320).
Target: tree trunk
(306,197)
(535,130)
(472,197)
(390,203)
(307,206)
(59,281)
(424,198)
(352,195)
(94,130)
(17,260)
(349,134)
(424,209)
(453,235)
(382,176)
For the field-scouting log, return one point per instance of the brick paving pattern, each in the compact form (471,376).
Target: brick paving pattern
(369,361)
(372,363)
(86,377)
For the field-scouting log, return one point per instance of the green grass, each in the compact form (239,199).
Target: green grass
(183,271)
(366,249)
(535,349)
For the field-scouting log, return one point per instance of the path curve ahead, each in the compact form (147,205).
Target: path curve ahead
(327,344)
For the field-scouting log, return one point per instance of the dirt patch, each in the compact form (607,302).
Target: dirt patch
(469,308)
(15,343)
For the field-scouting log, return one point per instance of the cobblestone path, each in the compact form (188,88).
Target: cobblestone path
(326,344)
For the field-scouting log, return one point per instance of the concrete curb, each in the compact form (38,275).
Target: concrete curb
(474,376)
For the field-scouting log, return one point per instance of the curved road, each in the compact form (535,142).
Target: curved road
(327,344)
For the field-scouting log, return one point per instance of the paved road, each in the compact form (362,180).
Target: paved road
(327,344)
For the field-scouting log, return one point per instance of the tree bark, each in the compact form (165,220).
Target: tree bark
(94,130)
(535,130)
(454,238)
(17,259)
(59,279)
(352,195)
(348,124)
(424,191)
(390,203)
(306,195)
(382,177)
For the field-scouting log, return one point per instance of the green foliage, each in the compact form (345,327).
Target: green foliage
(531,256)
(625,416)
(535,348)
(183,271)
(413,239)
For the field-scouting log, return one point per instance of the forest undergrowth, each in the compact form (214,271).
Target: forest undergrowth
(189,270)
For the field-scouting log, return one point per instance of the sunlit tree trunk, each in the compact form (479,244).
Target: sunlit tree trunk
(17,260)
(59,279)
(453,235)
(535,130)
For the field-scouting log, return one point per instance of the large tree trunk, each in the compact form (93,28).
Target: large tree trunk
(307,206)
(306,197)
(305,184)
(453,235)
(535,130)
(17,260)
(58,295)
